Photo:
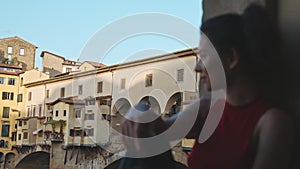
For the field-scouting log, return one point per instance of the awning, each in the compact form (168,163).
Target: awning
(15,110)
(37,131)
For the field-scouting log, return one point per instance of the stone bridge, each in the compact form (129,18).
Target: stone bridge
(56,156)
(27,156)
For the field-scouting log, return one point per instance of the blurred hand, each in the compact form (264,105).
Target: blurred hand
(140,122)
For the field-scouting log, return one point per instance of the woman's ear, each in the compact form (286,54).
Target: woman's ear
(233,59)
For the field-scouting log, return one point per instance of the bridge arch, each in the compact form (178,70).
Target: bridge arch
(1,157)
(174,104)
(39,159)
(9,160)
(154,105)
(120,108)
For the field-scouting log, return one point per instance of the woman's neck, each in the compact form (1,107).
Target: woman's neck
(241,92)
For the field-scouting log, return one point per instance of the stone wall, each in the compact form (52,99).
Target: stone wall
(52,63)
(27,60)
(79,157)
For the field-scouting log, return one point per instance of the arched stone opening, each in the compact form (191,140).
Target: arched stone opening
(35,160)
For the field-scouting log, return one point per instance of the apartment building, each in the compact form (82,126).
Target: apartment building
(12,105)
(89,65)
(29,124)
(55,64)
(9,95)
(82,106)
(18,52)
(70,66)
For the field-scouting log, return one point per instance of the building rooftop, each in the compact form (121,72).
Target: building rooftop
(17,37)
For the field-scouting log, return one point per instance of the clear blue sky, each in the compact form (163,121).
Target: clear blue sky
(64,27)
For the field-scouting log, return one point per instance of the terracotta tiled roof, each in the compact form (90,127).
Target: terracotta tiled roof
(43,53)
(68,100)
(10,66)
(10,73)
(96,64)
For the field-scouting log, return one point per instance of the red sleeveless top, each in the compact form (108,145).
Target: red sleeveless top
(228,147)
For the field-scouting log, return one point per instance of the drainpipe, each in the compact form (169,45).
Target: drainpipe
(110,109)
(197,86)
(44,102)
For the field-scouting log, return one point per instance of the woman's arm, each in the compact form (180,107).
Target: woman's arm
(198,109)
(274,141)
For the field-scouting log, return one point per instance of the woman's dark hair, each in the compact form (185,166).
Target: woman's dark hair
(254,36)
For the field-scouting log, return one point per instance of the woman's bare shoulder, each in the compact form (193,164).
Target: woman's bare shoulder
(275,118)
(274,133)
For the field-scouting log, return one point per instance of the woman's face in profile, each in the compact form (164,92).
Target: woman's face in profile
(210,67)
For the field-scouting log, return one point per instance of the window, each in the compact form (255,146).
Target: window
(77,113)
(180,75)
(5,112)
(11,81)
(89,132)
(100,87)
(71,132)
(9,50)
(21,82)
(56,113)
(2,80)
(89,116)
(33,111)
(65,112)
(25,135)
(90,102)
(28,112)
(148,82)
(40,110)
(75,132)
(19,136)
(7,96)
(25,123)
(80,89)
(20,123)
(5,130)
(29,96)
(13,136)
(123,83)
(22,51)
(47,93)
(62,92)
(3,144)
(49,107)
(105,102)
(20,98)
(68,69)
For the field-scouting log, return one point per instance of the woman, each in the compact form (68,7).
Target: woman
(252,133)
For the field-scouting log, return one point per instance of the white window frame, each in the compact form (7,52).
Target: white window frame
(9,50)
(22,52)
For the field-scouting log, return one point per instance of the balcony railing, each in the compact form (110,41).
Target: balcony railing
(53,136)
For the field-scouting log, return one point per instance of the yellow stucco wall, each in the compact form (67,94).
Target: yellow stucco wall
(13,111)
